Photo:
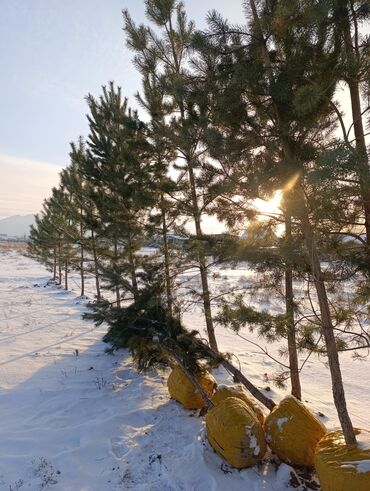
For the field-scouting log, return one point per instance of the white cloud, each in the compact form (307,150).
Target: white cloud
(24,184)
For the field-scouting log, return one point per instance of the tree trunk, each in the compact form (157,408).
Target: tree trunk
(118,296)
(131,257)
(239,377)
(59,263)
(166,257)
(361,148)
(82,260)
(193,380)
(353,57)
(55,263)
(326,322)
(66,274)
(289,310)
(202,262)
(96,268)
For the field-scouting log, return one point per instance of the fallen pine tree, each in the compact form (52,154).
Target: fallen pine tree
(157,339)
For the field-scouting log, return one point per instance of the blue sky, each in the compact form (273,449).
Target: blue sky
(53,53)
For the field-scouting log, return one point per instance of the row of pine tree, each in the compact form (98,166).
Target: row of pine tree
(232,114)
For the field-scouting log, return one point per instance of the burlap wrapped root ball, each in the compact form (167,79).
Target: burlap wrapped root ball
(234,431)
(292,432)
(238,391)
(342,467)
(182,389)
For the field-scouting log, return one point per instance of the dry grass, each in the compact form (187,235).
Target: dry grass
(8,246)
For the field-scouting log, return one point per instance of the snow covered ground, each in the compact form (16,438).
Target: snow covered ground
(73,418)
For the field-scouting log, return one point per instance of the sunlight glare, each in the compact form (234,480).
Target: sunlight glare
(291,183)
(271,206)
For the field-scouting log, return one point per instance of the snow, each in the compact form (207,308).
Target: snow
(253,443)
(148,251)
(363,440)
(73,418)
(281,421)
(361,466)
(363,443)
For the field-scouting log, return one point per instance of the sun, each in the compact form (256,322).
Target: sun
(269,207)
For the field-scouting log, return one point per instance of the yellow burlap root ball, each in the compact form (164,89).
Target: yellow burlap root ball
(292,432)
(238,391)
(182,389)
(235,433)
(342,467)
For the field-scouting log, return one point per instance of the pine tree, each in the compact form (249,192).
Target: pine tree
(347,19)
(43,243)
(118,171)
(232,136)
(162,154)
(284,90)
(169,49)
(90,225)
(71,180)
(344,170)
(291,159)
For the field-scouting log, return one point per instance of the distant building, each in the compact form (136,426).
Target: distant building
(12,238)
(173,239)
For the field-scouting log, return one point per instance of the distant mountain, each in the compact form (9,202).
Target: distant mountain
(16,225)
